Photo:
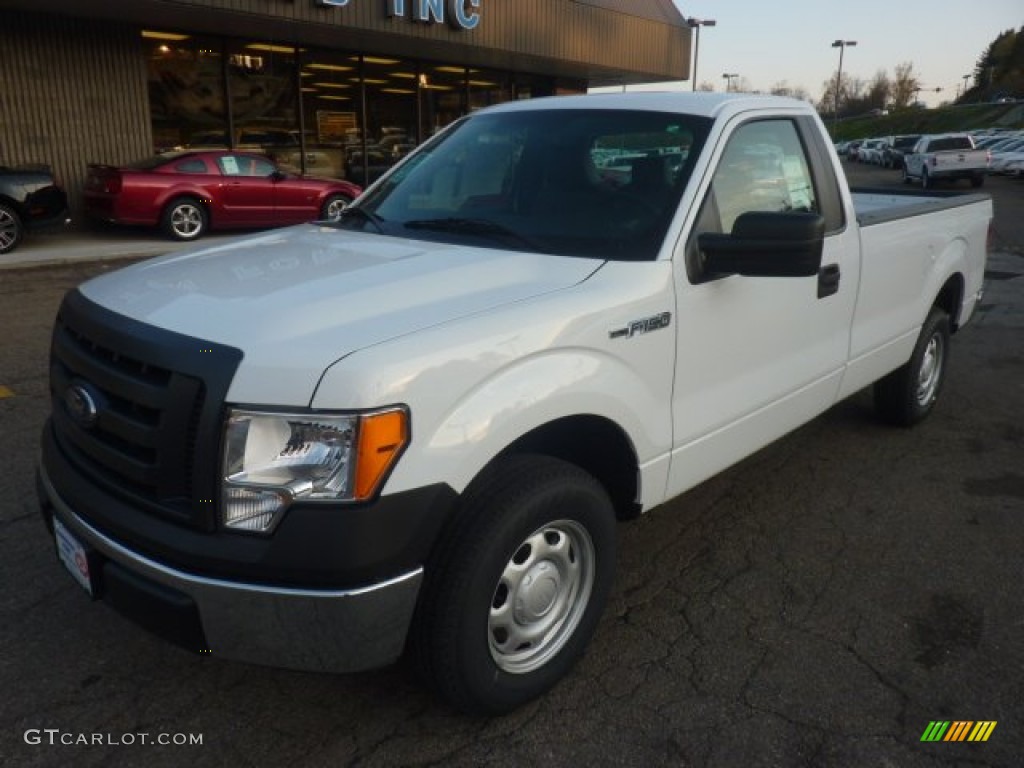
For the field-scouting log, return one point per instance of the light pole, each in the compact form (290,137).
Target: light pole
(696,24)
(841,45)
(965,78)
(728,80)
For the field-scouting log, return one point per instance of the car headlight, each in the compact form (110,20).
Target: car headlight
(271,460)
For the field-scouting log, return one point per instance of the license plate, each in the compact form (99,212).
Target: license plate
(74,555)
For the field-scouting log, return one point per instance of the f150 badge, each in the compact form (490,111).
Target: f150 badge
(646,325)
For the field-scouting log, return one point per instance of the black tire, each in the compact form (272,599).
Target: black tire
(977,181)
(333,206)
(518,585)
(11,229)
(926,182)
(185,218)
(906,176)
(908,394)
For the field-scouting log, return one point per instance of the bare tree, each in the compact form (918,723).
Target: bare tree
(782,88)
(706,86)
(904,85)
(879,91)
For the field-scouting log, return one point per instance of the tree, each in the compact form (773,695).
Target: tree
(706,86)
(904,86)
(879,91)
(850,92)
(782,88)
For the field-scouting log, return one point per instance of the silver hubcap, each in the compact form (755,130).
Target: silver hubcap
(541,596)
(8,230)
(187,220)
(930,372)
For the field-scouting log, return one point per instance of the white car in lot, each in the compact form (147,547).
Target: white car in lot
(871,151)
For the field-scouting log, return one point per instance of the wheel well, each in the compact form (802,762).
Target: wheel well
(13,205)
(595,444)
(950,299)
(200,200)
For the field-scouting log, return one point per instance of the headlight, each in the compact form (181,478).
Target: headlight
(272,460)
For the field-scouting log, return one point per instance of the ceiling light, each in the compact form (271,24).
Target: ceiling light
(331,67)
(163,35)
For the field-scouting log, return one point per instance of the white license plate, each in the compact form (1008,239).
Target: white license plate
(73,555)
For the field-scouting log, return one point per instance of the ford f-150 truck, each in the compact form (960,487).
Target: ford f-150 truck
(946,157)
(413,430)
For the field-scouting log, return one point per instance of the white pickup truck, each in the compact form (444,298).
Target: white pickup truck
(946,157)
(414,429)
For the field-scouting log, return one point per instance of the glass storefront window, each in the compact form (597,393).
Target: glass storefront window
(337,114)
(264,102)
(186,88)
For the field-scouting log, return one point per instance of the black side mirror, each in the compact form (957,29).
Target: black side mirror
(765,245)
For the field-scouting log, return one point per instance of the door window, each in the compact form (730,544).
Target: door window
(764,168)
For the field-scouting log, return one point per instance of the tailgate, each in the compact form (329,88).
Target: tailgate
(961,160)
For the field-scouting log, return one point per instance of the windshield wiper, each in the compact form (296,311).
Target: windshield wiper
(352,211)
(475,227)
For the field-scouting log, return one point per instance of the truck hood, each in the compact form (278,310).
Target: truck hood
(296,300)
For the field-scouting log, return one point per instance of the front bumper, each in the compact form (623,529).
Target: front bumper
(345,630)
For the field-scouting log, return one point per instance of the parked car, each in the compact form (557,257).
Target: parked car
(895,148)
(852,148)
(30,198)
(187,193)
(871,151)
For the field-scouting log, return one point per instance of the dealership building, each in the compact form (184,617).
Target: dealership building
(331,87)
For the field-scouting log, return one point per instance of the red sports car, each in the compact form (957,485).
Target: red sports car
(186,193)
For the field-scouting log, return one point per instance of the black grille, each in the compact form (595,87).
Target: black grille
(158,397)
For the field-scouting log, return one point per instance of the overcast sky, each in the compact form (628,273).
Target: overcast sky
(769,42)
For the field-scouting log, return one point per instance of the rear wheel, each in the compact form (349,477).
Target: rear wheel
(11,229)
(185,219)
(515,593)
(908,394)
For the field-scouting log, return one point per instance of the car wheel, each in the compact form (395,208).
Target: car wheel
(925,181)
(516,590)
(185,219)
(977,181)
(333,206)
(908,394)
(11,229)
(906,176)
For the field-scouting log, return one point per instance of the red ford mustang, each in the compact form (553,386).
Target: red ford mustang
(186,193)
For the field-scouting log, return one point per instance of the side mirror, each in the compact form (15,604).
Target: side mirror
(765,245)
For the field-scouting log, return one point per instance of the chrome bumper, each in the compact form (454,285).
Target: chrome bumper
(314,630)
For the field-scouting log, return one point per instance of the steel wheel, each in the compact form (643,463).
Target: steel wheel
(541,596)
(10,229)
(516,586)
(908,394)
(929,373)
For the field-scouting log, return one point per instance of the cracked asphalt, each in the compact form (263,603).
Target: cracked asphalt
(817,605)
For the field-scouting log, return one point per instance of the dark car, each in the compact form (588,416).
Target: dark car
(895,148)
(187,193)
(30,199)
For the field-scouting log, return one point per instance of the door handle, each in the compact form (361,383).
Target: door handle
(828,280)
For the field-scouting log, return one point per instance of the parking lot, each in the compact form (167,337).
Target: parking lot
(819,604)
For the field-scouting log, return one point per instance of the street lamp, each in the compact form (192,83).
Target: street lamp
(728,80)
(696,24)
(965,78)
(841,45)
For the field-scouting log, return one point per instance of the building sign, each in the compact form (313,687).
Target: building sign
(460,14)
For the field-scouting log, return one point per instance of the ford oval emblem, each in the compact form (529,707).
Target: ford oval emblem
(81,406)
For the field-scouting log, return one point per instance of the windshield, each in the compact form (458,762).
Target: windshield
(594,183)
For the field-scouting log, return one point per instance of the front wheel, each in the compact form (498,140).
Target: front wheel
(333,206)
(925,181)
(11,229)
(184,219)
(908,394)
(515,593)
